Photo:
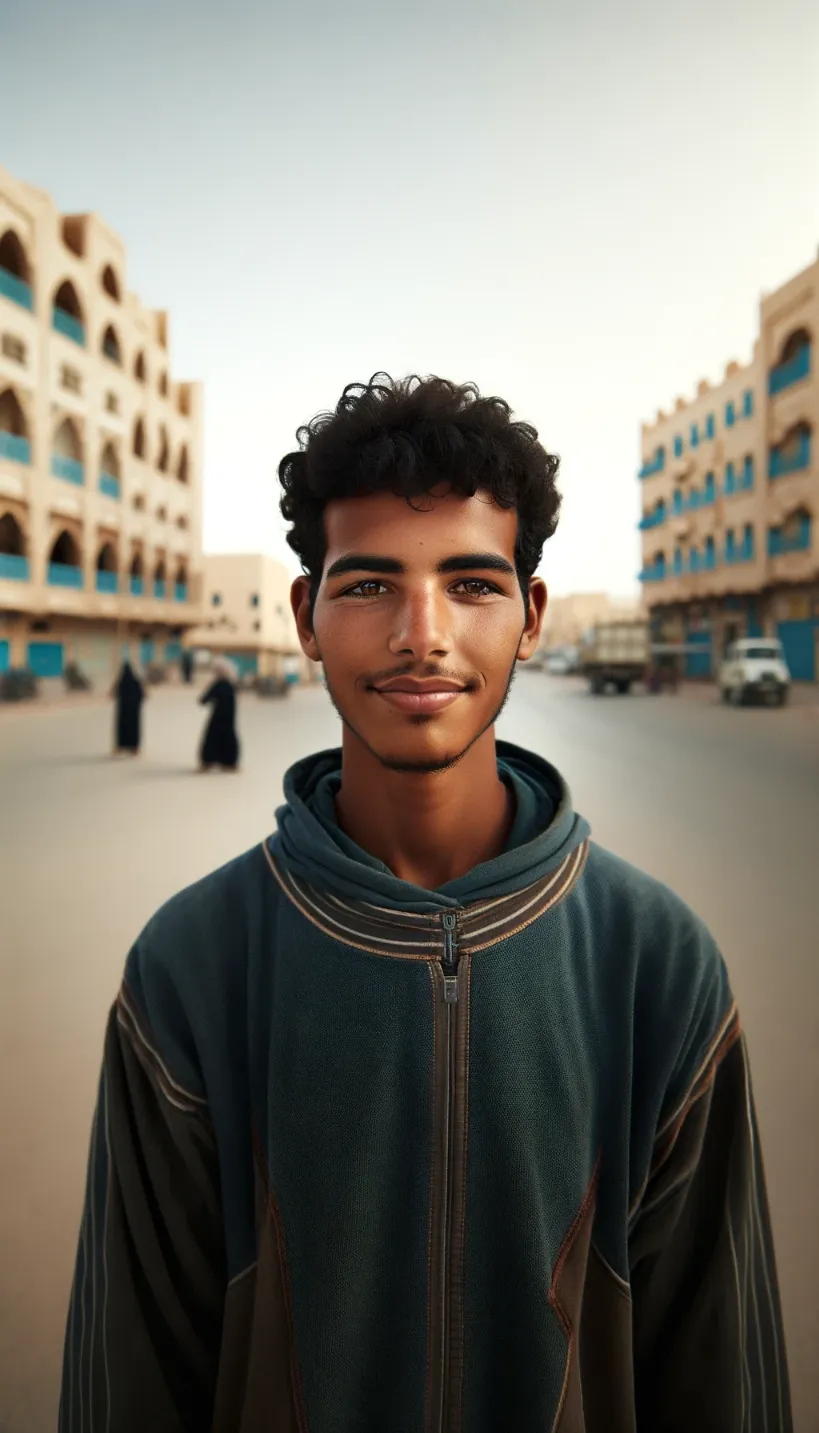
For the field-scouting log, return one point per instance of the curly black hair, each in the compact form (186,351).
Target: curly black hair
(407,436)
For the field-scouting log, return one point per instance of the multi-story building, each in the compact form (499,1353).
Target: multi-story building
(247,615)
(730,481)
(100,452)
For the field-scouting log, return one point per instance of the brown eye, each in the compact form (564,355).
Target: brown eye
(476,587)
(365,589)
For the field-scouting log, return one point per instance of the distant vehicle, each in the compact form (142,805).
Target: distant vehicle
(559,664)
(755,670)
(615,654)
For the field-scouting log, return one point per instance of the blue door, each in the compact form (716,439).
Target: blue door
(698,664)
(799,643)
(173,651)
(146,651)
(4,655)
(46,658)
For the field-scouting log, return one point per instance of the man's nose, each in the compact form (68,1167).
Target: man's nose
(422,626)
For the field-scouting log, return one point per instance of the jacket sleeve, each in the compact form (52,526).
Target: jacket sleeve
(144,1322)
(708,1338)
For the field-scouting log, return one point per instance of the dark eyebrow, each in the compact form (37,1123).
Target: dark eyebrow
(482,561)
(361,562)
(460,562)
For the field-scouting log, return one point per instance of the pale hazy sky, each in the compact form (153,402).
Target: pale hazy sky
(576,205)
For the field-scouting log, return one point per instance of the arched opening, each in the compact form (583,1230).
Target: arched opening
(139,503)
(182,465)
(139,368)
(110,283)
(181,582)
(12,417)
(160,577)
(12,541)
(107,558)
(794,344)
(73,231)
(15,274)
(67,315)
(107,580)
(109,462)
(163,384)
(183,400)
(139,439)
(13,257)
(67,442)
(164,451)
(110,345)
(136,574)
(793,453)
(67,302)
(64,551)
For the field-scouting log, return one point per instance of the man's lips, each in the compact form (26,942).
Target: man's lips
(419,696)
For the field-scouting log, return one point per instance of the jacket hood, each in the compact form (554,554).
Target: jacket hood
(310,844)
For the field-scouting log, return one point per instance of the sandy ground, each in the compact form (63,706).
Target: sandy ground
(722,805)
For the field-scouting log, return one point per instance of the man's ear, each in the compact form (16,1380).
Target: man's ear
(300,603)
(536,611)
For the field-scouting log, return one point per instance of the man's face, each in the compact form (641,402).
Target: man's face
(418,621)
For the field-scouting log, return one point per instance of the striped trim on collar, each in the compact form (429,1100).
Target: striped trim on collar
(408,935)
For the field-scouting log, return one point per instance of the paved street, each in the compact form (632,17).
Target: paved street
(721,804)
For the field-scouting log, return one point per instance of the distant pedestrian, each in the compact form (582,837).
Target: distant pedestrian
(186,663)
(220,745)
(129,694)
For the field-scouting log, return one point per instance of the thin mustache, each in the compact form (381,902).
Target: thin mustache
(424,674)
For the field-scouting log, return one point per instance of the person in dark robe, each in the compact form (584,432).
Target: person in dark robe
(220,744)
(129,694)
(187,667)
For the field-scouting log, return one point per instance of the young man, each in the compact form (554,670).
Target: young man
(427,1115)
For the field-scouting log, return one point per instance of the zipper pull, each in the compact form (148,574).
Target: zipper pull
(449,963)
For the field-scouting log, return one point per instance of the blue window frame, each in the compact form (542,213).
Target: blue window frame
(710,426)
(748,403)
(695,436)
(730,415)
(678,446)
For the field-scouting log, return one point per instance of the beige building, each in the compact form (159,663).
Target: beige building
(567,618)
(247,615)
(100,452)
(730,481)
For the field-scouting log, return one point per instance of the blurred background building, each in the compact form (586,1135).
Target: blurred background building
(567,618)
(731,498)
(100,453)
(247,616)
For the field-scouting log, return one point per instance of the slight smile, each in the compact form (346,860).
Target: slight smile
(419,698)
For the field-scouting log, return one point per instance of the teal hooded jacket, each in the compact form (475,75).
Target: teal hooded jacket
(368,1158)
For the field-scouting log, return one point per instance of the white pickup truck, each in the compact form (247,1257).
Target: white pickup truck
(755,670)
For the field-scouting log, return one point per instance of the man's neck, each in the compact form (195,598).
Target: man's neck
(427,828)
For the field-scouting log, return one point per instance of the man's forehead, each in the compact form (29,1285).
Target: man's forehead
(435,523)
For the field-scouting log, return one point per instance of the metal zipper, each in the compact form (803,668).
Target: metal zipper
(449,965)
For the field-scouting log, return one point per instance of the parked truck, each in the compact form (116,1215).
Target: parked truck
(615,654)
